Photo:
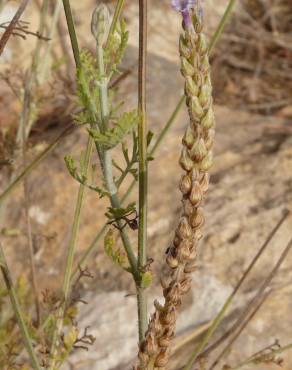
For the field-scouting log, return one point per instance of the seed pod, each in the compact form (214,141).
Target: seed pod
(185,160)
(198,151)
(193,254)
(183,250)
(197,219)
(188,207)
(185,285)
(169,317)
(190,267)
(164,342)
(191,87)
(188,138)
(184,230)
(176,241)
(172,261)
(204,183)
(208,121)
(150,345)
(196,194)
(143,357)
(186,68)
(195,109)
(174,295)
(207,162)
(185,184)
(162,359)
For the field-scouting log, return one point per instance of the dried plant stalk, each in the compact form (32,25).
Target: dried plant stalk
(195,160)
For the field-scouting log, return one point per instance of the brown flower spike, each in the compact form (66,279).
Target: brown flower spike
(195,160)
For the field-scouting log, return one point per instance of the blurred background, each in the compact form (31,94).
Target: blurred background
(251,183)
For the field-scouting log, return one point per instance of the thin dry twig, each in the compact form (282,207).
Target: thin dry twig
(9,30)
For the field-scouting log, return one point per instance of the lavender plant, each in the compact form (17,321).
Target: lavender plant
(110,131)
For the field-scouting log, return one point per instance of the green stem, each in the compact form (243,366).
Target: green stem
(17,310)
(143,166)
(116,16)
(27,170)
(153,150)
(66,290)
(107,162)
(72,33)
(221,25)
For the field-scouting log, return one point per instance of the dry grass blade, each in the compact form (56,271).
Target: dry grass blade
(249,312)
(198,350)
(9,30)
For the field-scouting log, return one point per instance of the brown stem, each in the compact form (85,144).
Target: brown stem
(9,30)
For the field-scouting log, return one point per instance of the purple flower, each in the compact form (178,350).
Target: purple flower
(184,7)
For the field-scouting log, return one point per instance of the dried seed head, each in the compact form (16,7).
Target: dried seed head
(169,317)
(150,345)
(185,184)
(184,250)
(198,151)
(164,342)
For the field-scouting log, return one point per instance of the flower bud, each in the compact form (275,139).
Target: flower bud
(188,138)
(205,95)
(184,50)
(195,109)
(209,141)
(192,88)
(186,68)
(207,162)
(185,160)
(100,23)
(208,120)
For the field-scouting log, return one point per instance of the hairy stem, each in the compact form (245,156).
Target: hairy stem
(18,312)
(143,175)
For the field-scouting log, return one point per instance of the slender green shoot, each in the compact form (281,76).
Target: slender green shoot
(18,312)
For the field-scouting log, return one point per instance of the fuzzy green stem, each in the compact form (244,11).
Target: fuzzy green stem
(107,162)
(153,150)
(17,310)
(222,24)
(143,166)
